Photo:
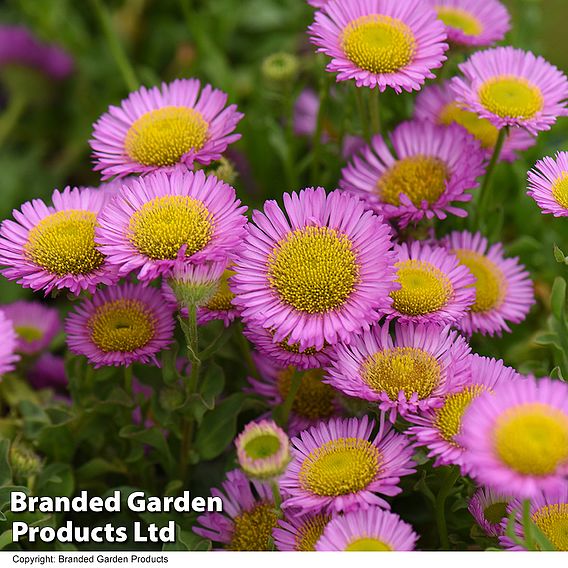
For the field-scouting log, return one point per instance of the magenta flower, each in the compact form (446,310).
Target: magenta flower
(548,184)
(489,509)
(8,343)
(300,533)
(48,372)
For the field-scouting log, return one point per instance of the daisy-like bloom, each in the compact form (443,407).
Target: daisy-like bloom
(434,286)
(548,184)
(314,400)
(263,450)
(370,529)
(407,373)
(317,275)
(473,22)
(512,87)
(503,288)
(8,343)
(431,169)
(48,372)
(380,43)
(248,516)
(120,325)
(51,247)
(35,324)
(339,466)
(300,533)
(318,3)
(549,512)
(195,284)
(488,508)
(437,103)
(178,123)
(516,439)
(161,221)
(439,428)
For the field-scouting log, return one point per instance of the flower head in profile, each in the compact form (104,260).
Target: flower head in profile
(315,272)
(380,44)
(49,247)
(437,104)
(161,127)
(300,533)
(473,23)
(516,439)
(503,288)
(121,325)
(162,221)
(512,87)
(373,530)
(340,466)
(427,176)
(407,372)
(248,518)
(489,508)
(8,343)
(548,184)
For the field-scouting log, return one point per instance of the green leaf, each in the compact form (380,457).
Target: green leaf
(556,373)
(5,469)
(169,365)
(558,299)
(186,540)
(559,255)
(56,480)
(212,385)
(152,437)
(98,467)
(5,539)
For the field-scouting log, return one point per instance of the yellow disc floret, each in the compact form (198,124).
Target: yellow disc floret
(28,332)
(460,19)
(310,532)
(222,299)
(405,369)
(162,226)
(560,190)
(64,243)
(368,544)
(253,529)
(480,128)
(532,439)
(162,136)
(378,43)
(339,467)
(122,325)
(511,97)
(424,288)
(314,269)
(552,520)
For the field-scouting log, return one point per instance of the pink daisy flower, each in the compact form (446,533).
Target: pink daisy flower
(512,87)
(248,517)
(432,168)
(439,428)
(434,286)
(473,22)
(339,466)
(407,372)
(504,291)
(516,439)
(51,247)
(316,272)
(548,184)
(437,104)
(318,3)
(121,325)
(8,343)
(48,372)
(300,533)
(489,509)
(160,127)
(35,324)
(371,529)
(161,221)
(380,43)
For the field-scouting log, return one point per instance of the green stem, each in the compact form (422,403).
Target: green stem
(128,380)
(527,526)
(244,347)
(375,111)
(447,486)
(295,383)
(277,497)
(316,143)
(362,114)
(11,116)
(115,45)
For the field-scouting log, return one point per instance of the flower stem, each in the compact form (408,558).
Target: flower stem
(447,486)
(245,351)
(316,143)
(527,526)
(277,497)
(286,407)
(11,116)
(128,380)
(362,114)
(375,111)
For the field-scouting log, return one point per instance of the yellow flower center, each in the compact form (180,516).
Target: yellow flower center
(495,512)
(339,467)
(511,97)
(222,299)
(368,544)
(532,439)
(560,190)
(165,224)
(262,446)
(295,348)
(28,333)
(314,269)
(122,325)
(490,284)
(449,416)
(405,369)
(424,288)
(460,19)
(314,399)
(253,529)
(480,128)
(162,136)
(310,532)
(378,44)
(552,520)
(64,243)
(420,178)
